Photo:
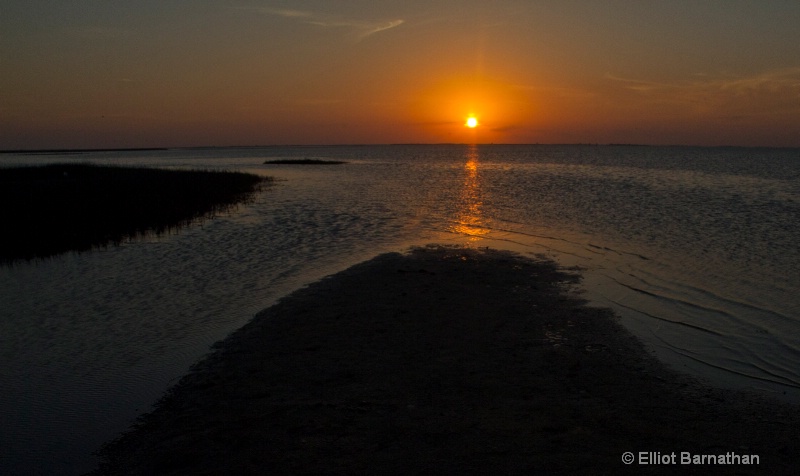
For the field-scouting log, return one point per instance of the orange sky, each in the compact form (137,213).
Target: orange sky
(202,72)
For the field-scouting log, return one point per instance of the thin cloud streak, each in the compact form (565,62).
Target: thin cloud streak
(382,27)
(770,92)
(285,13)
(362,28)
(783,79)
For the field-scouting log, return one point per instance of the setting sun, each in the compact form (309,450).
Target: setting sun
(472,122)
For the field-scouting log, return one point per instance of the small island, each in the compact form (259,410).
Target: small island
(303,162)
(57,208)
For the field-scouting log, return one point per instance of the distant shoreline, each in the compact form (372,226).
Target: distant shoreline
(78,151)
(66,151)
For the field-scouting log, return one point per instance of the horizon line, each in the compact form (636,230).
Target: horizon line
(66,150)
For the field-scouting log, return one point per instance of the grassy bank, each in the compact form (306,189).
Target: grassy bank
(74,207)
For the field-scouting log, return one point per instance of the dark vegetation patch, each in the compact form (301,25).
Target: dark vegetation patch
(304,162)
(56,208)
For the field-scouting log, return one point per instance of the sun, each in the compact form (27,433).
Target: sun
(472,122)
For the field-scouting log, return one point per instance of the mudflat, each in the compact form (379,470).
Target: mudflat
(448,360)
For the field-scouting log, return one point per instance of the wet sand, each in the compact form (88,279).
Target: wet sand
(446,361)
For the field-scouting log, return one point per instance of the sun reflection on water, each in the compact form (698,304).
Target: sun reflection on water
(470,220)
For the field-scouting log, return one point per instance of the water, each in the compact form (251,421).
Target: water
(696,249)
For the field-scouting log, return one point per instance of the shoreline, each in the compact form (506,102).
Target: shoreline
(444,360)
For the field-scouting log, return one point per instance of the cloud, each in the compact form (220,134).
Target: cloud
(785,79)
(361,28)
(382,27)
(286,13)
(770,92)
(638,85)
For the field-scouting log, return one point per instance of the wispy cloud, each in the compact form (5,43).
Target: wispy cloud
(285,13)
(770,92)
(787,79)
(772,81)
(361,28)
(639,85)
(381,27)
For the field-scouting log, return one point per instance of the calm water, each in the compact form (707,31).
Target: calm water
(696,248)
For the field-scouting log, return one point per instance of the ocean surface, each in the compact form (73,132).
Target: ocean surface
(697,249)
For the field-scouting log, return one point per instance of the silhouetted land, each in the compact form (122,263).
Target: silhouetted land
(304,162)
(75,151)
(74,207)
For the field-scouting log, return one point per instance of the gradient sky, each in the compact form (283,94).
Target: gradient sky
(153,73)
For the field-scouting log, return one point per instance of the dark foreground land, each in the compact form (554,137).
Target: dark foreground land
(75,207)
(445,361)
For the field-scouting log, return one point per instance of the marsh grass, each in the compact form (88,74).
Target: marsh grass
(56,208)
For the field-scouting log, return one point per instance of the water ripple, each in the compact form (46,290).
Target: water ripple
(695,248)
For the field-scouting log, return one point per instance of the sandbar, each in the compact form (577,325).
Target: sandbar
(446,360)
